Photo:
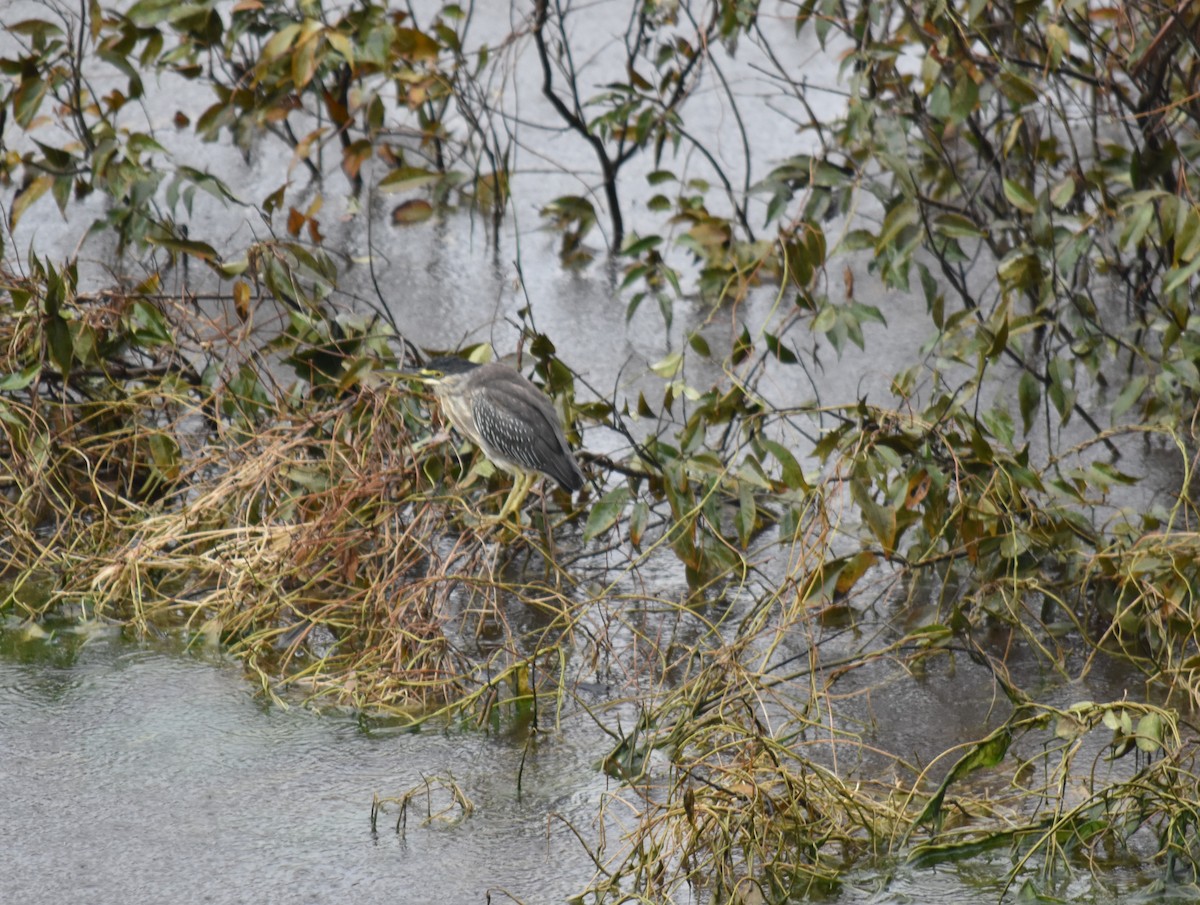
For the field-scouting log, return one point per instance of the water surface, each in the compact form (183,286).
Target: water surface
(141,775)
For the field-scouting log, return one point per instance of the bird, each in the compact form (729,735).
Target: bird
(511,420)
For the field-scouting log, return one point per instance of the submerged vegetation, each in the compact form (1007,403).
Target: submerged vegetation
(211,439)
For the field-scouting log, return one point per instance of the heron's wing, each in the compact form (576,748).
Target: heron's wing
(519,425)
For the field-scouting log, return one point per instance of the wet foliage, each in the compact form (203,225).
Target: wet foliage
(221,446)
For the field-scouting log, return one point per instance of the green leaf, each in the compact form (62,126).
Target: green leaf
(27,99)
(1136,226)
(1128,396)
(743,346)
(747,514)
(149,326)
(1149,733)
(605,513)
(957,226)
(403,179)
(899,218)
(1029,396)
(1062,192)
(201,250)
(881,520)
(342,45)
(792,474)
(1176,276)
(1018,90)
(416,45)
(568,209)
(1019,197)
(863,313)
(779,350)
(1019,269)
(964,98)
(1187,233)
(280,42)
(18,380)
(859,240)
(58,337)
(164,452)
(983,755)
(852,570)
(699,344)
(148,13)
(635,302)
(1058,42)
(141,142)
(635,244)
(1061,390)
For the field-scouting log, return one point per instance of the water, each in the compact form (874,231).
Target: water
(135,774)
(139,773)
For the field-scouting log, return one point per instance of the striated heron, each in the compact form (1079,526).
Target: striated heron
(510,419)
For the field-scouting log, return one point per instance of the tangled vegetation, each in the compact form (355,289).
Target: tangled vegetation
(219,446)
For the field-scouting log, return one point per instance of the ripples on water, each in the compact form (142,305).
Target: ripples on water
(132,775)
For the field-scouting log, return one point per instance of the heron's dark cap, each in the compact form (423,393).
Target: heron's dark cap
(450,364)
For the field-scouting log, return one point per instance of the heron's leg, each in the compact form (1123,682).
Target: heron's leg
(521,484)
(526,482)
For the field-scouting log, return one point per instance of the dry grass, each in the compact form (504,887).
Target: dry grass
(321,537)
(308,531)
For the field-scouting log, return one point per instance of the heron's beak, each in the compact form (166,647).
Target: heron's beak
(422,375)
(383,378)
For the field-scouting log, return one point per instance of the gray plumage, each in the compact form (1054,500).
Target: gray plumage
(505,415)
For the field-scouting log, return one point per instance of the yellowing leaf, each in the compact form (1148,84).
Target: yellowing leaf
(415,45)
(28,195)
(853,570)
(1058,42)
(241,299)
(415,211)
(918,489)
(280,42)
(1019,196)
(405,178)
(668,367)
